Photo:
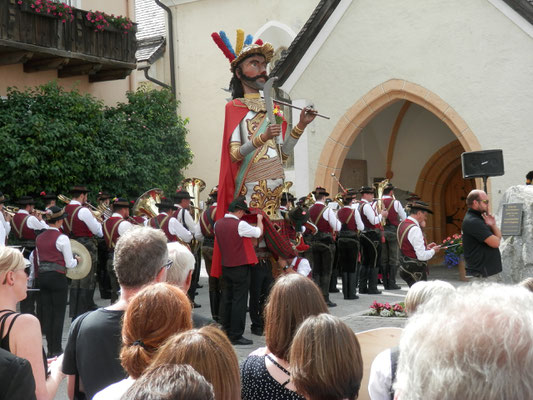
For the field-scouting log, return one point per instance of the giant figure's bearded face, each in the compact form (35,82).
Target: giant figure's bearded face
(252,72)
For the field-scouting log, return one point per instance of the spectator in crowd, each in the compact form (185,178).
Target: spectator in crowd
(16,378)
(325,360)
(21,333)
(383,369)
(170,382)
(477,344)
(209,352)
(265,373)
(91,356)
(529,178)
(481,239)
(154,314)
(527,283)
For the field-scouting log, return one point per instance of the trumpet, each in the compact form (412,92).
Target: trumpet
(10,210)
(98,214)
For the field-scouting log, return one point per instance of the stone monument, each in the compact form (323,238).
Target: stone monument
(517,250)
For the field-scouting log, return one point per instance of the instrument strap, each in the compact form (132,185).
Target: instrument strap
(183,219)
(110,236)
(320,215)
(400,239)
(19,229)
(70,221)
(349,217)
(210,216)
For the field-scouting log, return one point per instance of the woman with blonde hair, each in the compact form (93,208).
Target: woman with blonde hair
(21,333)
(325,360)
(264,374)
(155,313)
(209,351)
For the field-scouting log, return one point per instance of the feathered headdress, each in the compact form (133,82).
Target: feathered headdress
(243,47)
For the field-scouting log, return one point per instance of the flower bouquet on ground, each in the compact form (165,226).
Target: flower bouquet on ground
(387,310)
(453,249)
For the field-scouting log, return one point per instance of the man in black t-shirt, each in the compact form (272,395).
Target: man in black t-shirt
(91,356)
(481,238)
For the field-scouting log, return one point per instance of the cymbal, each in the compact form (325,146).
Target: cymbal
(84,266)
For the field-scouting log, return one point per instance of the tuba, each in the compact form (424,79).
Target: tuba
(145,205)
(379,205)
(194,186)
(309,200)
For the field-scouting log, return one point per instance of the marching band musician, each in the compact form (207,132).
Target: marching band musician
(370,242)
(49,199)
(5,219)
(168,224)
(348,246)
(114,227)
(26,227)
(389,249)
(206,233)
(414,250)
(323,245)
(102,276)
(53,255)
(82,226)
(182,201)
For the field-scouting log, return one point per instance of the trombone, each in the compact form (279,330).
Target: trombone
(98,214)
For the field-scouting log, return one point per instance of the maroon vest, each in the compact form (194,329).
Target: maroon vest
(406,247)
(343,214)
(163,221)
(73,225)
(139,219)
(365,220)
(46,247)
(21,227)
(234,249)
(321,224)
(111,231)
(392,218)
(207,220)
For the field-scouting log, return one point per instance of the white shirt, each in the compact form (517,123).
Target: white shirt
(379,382)
(63,246)
(416,238)
(5,228)
(304,268)
(123,226)
(373,217)
(192,226)
(398,208)
(88,218)
(32,222)
(177,229)
(245,229)
(330,216)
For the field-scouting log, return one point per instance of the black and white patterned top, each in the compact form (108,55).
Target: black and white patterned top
(258,384)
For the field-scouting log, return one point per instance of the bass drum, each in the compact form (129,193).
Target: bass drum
(84,265)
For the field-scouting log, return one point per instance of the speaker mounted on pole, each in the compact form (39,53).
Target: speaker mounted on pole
(482,164)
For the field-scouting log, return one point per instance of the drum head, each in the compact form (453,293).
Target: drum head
(84,266)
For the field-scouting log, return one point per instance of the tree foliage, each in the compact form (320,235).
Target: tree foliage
(53,139)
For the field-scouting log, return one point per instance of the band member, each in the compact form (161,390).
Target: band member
(348,246)
(238,257)
(82,226)
(104,199)
(5,219)
(414,250)
(370,242)
(53,256)
(114,227)
(389,249)
(49,199)
(206,233)
(287,202)
(323,244)
(168,224)
(182,201)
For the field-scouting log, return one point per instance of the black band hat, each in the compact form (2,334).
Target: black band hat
(103,196)
(214,192)
(119,202)
(420,205)
(25,200)
(55,214)
(48,196)
(79,189)
(366,189)
(165,204)
(413,197)
(320,191)
(239,204)
(181,195)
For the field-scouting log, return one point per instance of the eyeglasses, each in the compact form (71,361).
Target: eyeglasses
(484,201)
(26,270)
(168,264)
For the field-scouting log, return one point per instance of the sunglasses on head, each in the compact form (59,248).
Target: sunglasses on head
(27,270)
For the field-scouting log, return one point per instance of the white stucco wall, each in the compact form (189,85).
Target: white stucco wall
(467,52)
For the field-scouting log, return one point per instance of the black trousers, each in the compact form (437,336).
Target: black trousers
(195,275)
(235,284)
(261,282)
(30,304)
(53,305)
(322,265)
(370,242)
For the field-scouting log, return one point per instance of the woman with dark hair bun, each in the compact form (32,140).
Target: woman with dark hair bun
(155,313)
(325,359)
(265,373)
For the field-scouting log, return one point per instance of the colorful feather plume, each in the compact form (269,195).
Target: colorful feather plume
(249,40)
(226,41)
(222,46)
(240,41)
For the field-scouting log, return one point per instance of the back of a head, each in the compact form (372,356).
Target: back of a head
(292,299)
(182,263)
(209,352)
(155,313)
(422,291)
(170,382)
(325,359)
(139,256)
(478,344)
(10,259)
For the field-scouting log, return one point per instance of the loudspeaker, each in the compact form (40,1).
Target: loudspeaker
(478,164)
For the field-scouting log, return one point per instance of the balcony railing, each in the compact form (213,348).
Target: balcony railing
(42,42)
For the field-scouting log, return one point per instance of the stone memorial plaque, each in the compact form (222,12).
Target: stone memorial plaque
(512,219)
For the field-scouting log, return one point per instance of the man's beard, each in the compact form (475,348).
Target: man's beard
(252,81)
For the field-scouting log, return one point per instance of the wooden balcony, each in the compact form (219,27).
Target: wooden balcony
(43,42)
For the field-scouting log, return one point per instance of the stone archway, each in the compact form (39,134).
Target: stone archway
(357,117)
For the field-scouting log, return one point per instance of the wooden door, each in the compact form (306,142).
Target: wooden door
(455,192)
